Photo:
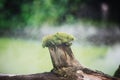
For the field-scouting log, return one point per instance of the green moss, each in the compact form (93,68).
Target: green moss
(57,39)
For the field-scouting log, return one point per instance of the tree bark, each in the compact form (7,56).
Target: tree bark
(40,76)
(65,67)
(62,56)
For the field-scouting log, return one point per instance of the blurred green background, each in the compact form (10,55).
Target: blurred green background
(23,24)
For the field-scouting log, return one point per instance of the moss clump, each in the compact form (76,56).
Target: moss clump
(57,39)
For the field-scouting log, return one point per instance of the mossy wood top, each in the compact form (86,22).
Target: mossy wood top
(57,39)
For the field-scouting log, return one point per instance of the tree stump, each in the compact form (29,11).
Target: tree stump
(64,62)
(62,56)
(65,66)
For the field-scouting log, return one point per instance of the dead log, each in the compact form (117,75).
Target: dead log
(65,66)
(39,76)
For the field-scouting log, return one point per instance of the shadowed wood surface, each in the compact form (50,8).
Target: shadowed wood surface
(66,74)
(40,76)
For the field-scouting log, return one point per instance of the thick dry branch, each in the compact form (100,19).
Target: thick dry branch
(41,76)
(66,74)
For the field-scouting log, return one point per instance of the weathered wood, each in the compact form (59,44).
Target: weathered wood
(40,76)
(70,73)
(65,66)
(62,56)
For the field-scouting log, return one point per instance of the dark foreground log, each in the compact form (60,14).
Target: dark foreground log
(40,76)
(66,74)
(65,66)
